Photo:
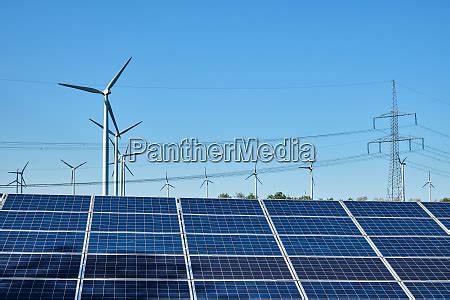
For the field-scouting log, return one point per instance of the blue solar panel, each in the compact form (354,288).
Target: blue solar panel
(47,202)
(135,243)
(305,208)
(37,289)
(429,290)
(233,244)
(446,223)
(327,268)
(421,268)
(413,246)
(438,209)
(315,225)
(135,266)
(221,206)
(226,224)
(28,241)
(39,265)
(43,221)
(135,222)
(244,267)
(135,204)
(386,226)
(353,290)
(327,246)
(116,289)
(246,290)
(385,209)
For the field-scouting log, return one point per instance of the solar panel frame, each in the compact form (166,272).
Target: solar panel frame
(385,209)
(304,208)
(421,268)
(158,205)
(221,206)
(315,225)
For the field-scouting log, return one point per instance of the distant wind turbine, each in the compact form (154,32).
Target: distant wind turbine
(206,182)
(123,171)
(19,181)
(167,186)
(255,173)
(106,109)
(402,165)
(72,176)
(311,176)
(430,185)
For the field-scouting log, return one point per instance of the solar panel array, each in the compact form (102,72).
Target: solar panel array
(82,247)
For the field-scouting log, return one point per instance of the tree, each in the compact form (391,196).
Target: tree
(239,195)
(250,196)
(278,195)
(446,199)
(224,196)
(363,198)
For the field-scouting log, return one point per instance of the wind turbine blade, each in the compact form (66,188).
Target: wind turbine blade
(14,181)
(210,181)
(83,88)
(249,176)
(67,164)
(13,172)
(25,167)
(111,114)
(80,165)
(163,187)
(432,185)
(129,128)
(129,170)
(205,174)
(112,142)
(259,180)
(203,183)
(425,185)
(24,182)
(171,186)
(113,81)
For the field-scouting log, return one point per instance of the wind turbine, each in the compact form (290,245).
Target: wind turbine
(19,181)
(106,109)
(207,181)
(116,135)
(430,185)
(255,173)
(402,165)
(167,186)
(312,183)
(72,177)
(123,169)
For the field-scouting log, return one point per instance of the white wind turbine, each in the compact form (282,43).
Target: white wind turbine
(123,170)
(167,185)
(106,109)
(402,165)
(116,135)
(72,176)
(430,185)
(206,182)
(311,176)
(255,173)
(19,181)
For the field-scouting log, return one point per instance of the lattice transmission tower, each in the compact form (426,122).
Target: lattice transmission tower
(394,189)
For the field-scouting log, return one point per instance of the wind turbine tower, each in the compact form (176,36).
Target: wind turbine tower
(430,185)
(402,165)
(167,186)
(72,177)
(206,182)
(123,170)
(255,174)
(311,179)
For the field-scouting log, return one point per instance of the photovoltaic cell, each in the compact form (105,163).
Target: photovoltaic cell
(247,267)
(116,289)
(135,204)
(226,224)
(327,246)
(421,268)
(135,243)
(43,221)
(37,289)
(413,246)
(221,206)
(353,290)
(304,208)
(233,244)
(246,290)
(438,209)
(40,265)
(429,290)
(47,202)
(28,241)
(446,223)
(325,268)
(385,209)
(414,227)
(135,266)
(135,222)
(314,225)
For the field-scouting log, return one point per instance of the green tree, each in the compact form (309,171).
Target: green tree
(278,195)
(239,195)
(363,198)
(224,196)
(250,196)
(446,199)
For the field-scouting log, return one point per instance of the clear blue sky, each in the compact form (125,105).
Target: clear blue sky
(224,44)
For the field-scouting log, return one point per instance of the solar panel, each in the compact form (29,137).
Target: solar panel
(438,209)
(135,204)
(327,246)
(135,266)
(26,241)
(414,227)
(305,208)
(429,290)
(226,224)
(37,289)
(39,265)
(353,290)
(421,268)
(117,289)
(221,206)
(43,221)
(413,246)
(331,268)
(385,209)
(135,222)
(315,225)
(446,223)
(232,244)
(134,243)
(246,289)
(246,267)
(47,202)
